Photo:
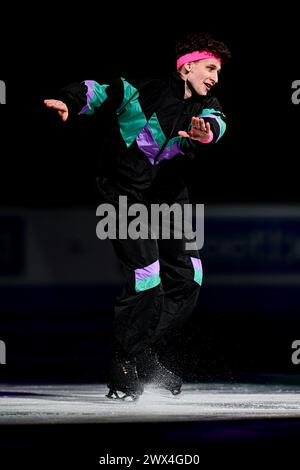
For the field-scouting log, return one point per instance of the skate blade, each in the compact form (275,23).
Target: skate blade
(174,390)
(113,395)
(130,397)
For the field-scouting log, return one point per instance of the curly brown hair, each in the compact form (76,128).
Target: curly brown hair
(202,41)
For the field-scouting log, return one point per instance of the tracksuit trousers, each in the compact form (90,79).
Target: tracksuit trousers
(162,282)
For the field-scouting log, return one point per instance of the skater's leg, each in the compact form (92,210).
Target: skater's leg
(181,274)
(137,310)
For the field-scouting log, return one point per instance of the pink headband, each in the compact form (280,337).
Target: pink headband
(197,55)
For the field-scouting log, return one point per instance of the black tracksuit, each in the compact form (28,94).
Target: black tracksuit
(162,277)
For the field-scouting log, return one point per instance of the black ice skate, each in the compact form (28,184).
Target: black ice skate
(159,375)
(123,378)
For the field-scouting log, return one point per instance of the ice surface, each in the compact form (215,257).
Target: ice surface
(35,404)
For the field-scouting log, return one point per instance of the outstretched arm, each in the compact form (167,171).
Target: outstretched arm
(207,128)
(86,98)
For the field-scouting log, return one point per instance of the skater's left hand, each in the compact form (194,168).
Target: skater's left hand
(199,130)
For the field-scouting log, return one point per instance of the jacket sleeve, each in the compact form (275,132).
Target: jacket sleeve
(212,113)
(89,96)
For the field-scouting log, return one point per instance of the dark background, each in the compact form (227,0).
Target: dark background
(241,330)
(47,164)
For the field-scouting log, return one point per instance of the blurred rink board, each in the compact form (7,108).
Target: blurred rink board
(252,245)
(244,245)
(54,247)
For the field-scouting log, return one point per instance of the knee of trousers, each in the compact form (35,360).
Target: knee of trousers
(147,278)
(197,273)
(190,290)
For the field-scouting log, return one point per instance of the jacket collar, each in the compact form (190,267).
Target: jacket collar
(177,86)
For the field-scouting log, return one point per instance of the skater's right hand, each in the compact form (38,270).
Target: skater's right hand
(59,106)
